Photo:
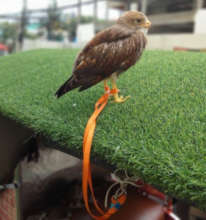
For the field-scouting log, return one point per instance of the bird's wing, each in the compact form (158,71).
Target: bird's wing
(112,50)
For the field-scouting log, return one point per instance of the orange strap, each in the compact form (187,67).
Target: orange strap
(115,206)
(87,143)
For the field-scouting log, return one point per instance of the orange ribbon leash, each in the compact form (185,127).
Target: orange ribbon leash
(87,143)
(116,203)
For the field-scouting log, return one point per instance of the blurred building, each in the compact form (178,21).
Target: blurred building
(176,16)
(175,23)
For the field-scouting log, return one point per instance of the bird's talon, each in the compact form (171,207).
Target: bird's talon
(121,99)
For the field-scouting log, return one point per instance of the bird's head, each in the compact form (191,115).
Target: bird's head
(134,20)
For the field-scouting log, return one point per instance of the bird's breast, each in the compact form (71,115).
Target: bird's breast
(144,31)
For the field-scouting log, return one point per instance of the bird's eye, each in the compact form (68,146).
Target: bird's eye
(138,20)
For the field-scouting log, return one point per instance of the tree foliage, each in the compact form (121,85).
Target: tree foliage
(8,34)
(52,22)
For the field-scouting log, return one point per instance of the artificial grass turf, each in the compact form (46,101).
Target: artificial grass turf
(158,134)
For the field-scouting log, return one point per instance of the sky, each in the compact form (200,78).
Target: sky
(13,6)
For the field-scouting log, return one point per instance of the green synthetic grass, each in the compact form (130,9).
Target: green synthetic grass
(158,134)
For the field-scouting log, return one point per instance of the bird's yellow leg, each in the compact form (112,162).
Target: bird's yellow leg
(105,84)
(117,98)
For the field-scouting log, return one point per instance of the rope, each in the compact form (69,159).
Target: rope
(119,197)
(123,183)
(87,143)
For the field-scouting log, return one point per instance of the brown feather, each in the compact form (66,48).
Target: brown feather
(113,50)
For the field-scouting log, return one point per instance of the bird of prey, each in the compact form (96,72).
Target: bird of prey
(111,52)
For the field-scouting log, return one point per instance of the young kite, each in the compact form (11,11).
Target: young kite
(110,53)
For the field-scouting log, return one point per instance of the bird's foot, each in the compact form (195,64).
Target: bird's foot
(120,99)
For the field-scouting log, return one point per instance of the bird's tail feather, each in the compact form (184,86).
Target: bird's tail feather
(66,87)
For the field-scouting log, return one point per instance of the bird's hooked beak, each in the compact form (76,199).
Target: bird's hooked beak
(147,24)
